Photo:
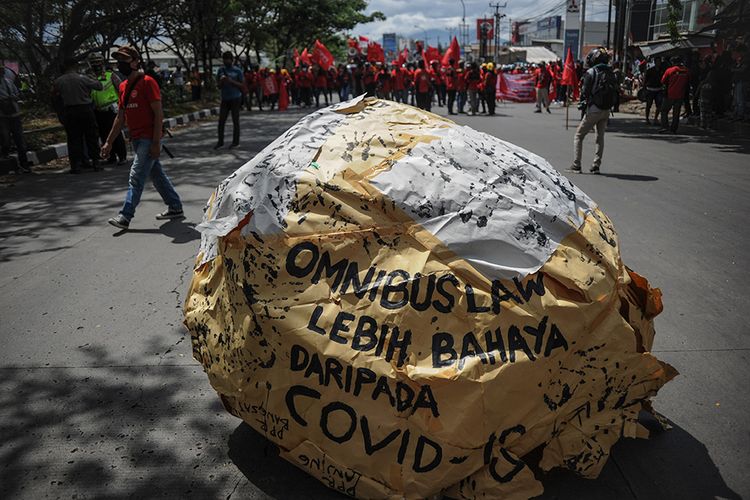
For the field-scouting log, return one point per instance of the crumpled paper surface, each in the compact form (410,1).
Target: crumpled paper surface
(408,307)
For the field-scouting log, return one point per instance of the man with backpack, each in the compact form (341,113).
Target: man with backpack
(140,106)
(598,95)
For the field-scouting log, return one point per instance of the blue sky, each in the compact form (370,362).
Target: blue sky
(438,19)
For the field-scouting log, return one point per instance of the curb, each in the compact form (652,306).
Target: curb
(56,151)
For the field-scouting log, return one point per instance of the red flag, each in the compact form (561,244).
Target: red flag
(453,52)
(363,38)
(403,57)
(375,53)
(322,56)
(569,72)
(305,58)
(354,44)
(430,54)
(295,54)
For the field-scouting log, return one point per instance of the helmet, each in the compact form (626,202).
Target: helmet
(598,55)
(490,66)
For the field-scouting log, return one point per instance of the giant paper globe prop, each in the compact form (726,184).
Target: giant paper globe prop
(408,307)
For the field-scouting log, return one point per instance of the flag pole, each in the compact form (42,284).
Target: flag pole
(567,108)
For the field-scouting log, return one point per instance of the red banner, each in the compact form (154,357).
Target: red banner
(516,88)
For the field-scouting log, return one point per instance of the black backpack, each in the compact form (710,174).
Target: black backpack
(605,89)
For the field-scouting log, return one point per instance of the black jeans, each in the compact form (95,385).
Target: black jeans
(104,121)
(227,106)
(11,126)
(489,96)
(451,100)
(671,104)
(80,127)
(423,100)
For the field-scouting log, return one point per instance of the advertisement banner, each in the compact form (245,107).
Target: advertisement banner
(485,29)
(571,42)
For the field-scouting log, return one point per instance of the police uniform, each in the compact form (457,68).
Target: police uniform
(105,110)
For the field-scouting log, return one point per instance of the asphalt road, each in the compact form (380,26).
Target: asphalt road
(100,397)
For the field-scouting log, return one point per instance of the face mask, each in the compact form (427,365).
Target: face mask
(124,68)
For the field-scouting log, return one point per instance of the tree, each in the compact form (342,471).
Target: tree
(42,34)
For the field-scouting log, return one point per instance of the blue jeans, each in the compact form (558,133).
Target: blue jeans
(143,166)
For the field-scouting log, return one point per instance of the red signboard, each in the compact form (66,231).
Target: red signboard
(486,29)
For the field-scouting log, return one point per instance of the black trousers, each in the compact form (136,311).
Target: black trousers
(489,96)
(423,100)
(11,126)
(226,107)
(80,127)
(451,100)
(104,120)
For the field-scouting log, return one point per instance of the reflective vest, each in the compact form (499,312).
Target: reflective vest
(108,95)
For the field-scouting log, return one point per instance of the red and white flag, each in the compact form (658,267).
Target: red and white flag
(322,55)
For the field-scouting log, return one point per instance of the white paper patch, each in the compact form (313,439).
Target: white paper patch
(498,206)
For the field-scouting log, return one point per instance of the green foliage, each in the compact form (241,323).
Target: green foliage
(41,34)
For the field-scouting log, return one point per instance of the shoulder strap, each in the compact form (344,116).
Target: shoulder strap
(129,89)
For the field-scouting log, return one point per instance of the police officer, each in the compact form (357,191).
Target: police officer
(105,107)
(74,90)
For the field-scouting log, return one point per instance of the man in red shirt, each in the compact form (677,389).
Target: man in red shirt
(450,84)
(422,86)
(542,79)
(399,86)
(461,86)
(140,107)
(490,82)
(676,79)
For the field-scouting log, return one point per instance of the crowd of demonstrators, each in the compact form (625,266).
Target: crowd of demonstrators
(700,89)
(307,85)
(10,116)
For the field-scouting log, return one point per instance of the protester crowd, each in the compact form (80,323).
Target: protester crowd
(700,89)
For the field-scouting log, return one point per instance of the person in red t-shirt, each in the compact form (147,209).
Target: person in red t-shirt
(398,75)
(473,78)
(676,79)
(321,86)
(422,86)
(542,79)
(461,86)
(490,82)
(438,82)
(450,84)
(140,107)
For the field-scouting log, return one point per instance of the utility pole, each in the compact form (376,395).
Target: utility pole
(498,17)
(463,31)
(581,41)
(609,22)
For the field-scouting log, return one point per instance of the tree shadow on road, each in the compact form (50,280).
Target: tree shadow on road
(112,429)
(635,127)
(42,209)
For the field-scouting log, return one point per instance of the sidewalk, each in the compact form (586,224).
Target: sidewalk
(57,151)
